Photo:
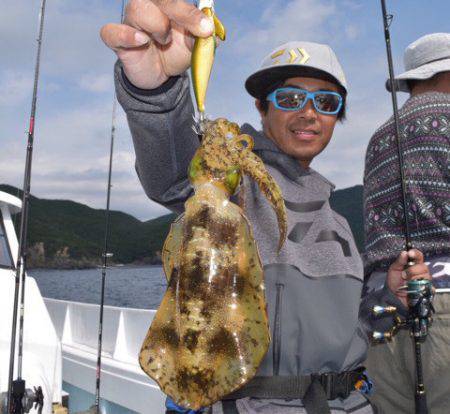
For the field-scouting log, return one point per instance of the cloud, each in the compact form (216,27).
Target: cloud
(70,41)
(353,5)
(284,21)
(96,83)
(352,31)
(73,123)
(74,118)
(14,87)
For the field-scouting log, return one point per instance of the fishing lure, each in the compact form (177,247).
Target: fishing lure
(211,330)
(203,56)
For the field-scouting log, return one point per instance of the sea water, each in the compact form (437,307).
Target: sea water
(126,286)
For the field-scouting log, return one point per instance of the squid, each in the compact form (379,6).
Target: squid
(211,330)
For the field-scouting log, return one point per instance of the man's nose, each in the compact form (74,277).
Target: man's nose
(308,111)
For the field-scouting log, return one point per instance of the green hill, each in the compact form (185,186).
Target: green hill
(348,202)
(72,234)
(64,233)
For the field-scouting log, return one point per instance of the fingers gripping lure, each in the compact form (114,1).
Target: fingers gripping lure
(203,56)
(211,330)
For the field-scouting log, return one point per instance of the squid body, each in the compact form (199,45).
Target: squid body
(211,330)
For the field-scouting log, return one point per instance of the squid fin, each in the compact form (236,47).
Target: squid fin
(172,246)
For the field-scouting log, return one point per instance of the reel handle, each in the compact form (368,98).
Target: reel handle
(411,262)
(378,310)
(380,337)
(421,404)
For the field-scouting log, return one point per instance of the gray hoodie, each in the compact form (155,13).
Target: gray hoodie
(314,285)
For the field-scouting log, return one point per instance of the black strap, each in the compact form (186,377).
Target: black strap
(292,387)
(273,387)
(315,398)
(229,407)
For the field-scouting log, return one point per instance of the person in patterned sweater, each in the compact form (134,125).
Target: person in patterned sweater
(425,138)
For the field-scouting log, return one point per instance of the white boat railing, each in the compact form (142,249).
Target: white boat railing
(41,363)
(123,381)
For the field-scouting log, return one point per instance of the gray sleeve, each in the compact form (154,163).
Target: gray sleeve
(160,122)
(376,292)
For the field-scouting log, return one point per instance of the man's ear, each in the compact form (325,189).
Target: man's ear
(262,113)
(258,107)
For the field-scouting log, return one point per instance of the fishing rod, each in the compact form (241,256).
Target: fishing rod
(105,254)
(419,292)
(16,389)
(387,20)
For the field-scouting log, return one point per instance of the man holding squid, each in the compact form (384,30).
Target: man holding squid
(314,284)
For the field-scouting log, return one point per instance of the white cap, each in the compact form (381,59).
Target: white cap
(296,59)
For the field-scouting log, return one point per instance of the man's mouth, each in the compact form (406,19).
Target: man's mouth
(304,133)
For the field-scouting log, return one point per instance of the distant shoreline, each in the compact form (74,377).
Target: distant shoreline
(119,266)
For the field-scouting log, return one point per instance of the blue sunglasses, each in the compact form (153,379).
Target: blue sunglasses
(294,99)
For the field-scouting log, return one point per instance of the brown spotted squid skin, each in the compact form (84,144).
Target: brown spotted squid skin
(211,330)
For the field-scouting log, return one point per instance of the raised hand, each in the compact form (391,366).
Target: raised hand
(156,39)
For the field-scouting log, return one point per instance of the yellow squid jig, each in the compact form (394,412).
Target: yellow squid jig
(211,330)
(203,56)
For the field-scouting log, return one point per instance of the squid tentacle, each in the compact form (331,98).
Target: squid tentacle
(252,165)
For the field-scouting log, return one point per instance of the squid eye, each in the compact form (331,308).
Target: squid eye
(195,167)
(244,141)
(232,179)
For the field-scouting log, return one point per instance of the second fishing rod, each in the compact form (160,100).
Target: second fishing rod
(419,292)
(105,255)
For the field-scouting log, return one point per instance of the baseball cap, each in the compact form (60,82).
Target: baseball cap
(296,58)
(423,59)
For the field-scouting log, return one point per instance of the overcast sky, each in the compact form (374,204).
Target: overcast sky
(76,90)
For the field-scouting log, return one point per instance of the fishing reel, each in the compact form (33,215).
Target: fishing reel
(421,309)
(420,312)
(420,317)
(23,399)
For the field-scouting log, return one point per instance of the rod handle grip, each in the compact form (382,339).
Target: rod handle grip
(421,403)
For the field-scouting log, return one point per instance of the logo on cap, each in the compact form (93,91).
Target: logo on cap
(292,56)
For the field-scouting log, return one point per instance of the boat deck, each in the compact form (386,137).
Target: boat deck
(125,388)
